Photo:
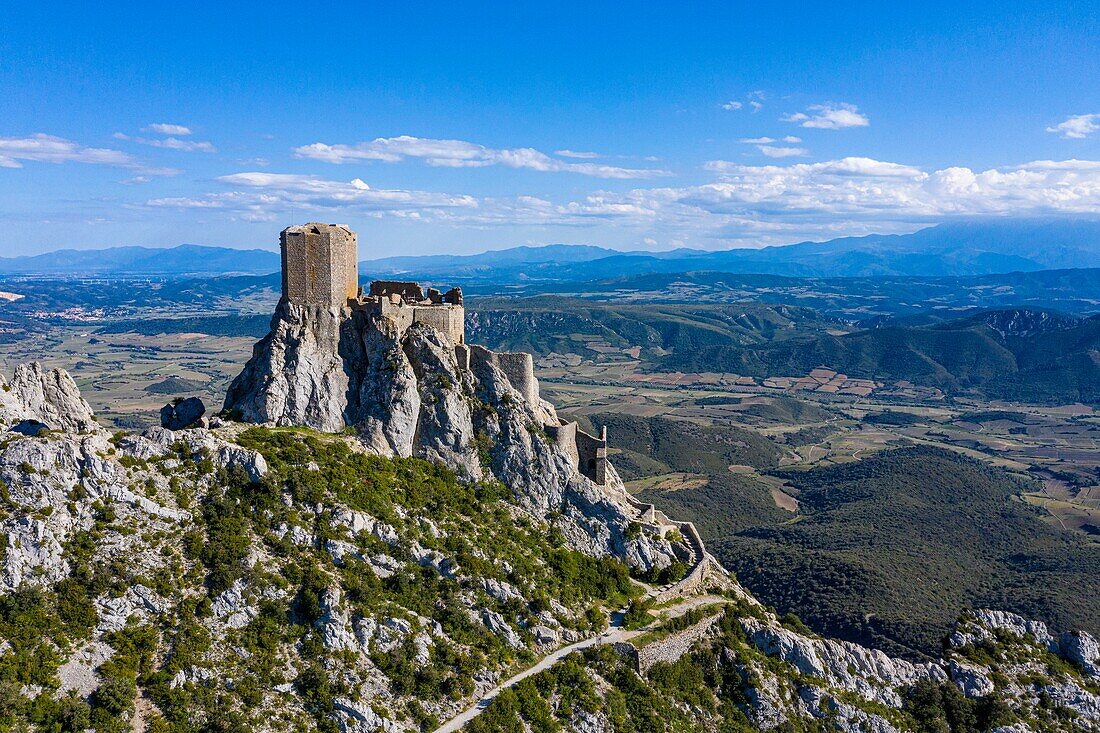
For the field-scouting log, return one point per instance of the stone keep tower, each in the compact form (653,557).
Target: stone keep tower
(320,264)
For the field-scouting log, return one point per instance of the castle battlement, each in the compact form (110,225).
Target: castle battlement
(406,303)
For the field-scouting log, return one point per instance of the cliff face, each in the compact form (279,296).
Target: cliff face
(295,375)
(406,394)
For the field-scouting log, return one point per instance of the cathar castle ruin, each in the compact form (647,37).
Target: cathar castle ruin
(373,360)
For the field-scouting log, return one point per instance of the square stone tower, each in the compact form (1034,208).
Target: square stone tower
(320,264)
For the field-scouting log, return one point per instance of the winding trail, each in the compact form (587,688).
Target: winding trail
(615,633)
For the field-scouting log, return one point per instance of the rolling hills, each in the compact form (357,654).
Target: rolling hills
(1015,354)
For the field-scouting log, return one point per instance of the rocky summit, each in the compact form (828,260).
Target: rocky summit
(388,529)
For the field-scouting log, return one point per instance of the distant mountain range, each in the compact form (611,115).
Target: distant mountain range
(184,260)
(954,249)
(960,248)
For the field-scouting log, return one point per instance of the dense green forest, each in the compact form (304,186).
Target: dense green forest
(886,551)
(1054,360)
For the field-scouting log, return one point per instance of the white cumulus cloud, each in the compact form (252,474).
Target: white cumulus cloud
(855,195)
(461,154)
(829,116)
(42,148)
(1077,127)
(732,105)
(781,151)
(262,196)
(165,128)
(767,146)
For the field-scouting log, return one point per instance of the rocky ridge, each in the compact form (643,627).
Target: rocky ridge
(405,394)
(242,578)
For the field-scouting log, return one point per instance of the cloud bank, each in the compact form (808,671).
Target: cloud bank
(755,204)
(42,148)
(462,154)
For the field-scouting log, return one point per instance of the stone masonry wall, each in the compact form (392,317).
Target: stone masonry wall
(519,367)
(320,264)
(592,456)
(448,319)
(565,437)
(671,648)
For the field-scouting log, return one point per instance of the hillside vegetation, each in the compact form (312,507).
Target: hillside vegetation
(553,323)
(1027,356)
(884,551)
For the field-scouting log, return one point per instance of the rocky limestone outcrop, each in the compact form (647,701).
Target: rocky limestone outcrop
(46,396)
(405,394)
(53,482)
(61,484)
(869,673)
(295,375)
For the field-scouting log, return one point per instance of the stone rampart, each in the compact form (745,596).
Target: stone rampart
(565,438)
(447,319)
(672,647)
(518,367)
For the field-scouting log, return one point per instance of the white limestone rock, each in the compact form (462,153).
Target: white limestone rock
(496,624)
(359,717)
(231,607)
(587,722)
(78,673)
(295,375)
(1082,648)
(405,395)
(986,621)
(334,623)
(842,716)
(501,590)
(974,681)
(870,673)
(545,635)
(48,396)
(384,400)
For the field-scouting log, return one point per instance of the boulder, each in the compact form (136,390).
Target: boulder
(181,414)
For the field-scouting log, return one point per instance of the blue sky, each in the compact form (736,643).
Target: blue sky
(447,127)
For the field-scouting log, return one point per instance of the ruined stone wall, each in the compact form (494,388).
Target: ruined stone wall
(409,290)
(565,438)
(448,319)
(707,574)
(394,309)
(671,648)
(592,455)
(518,366)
